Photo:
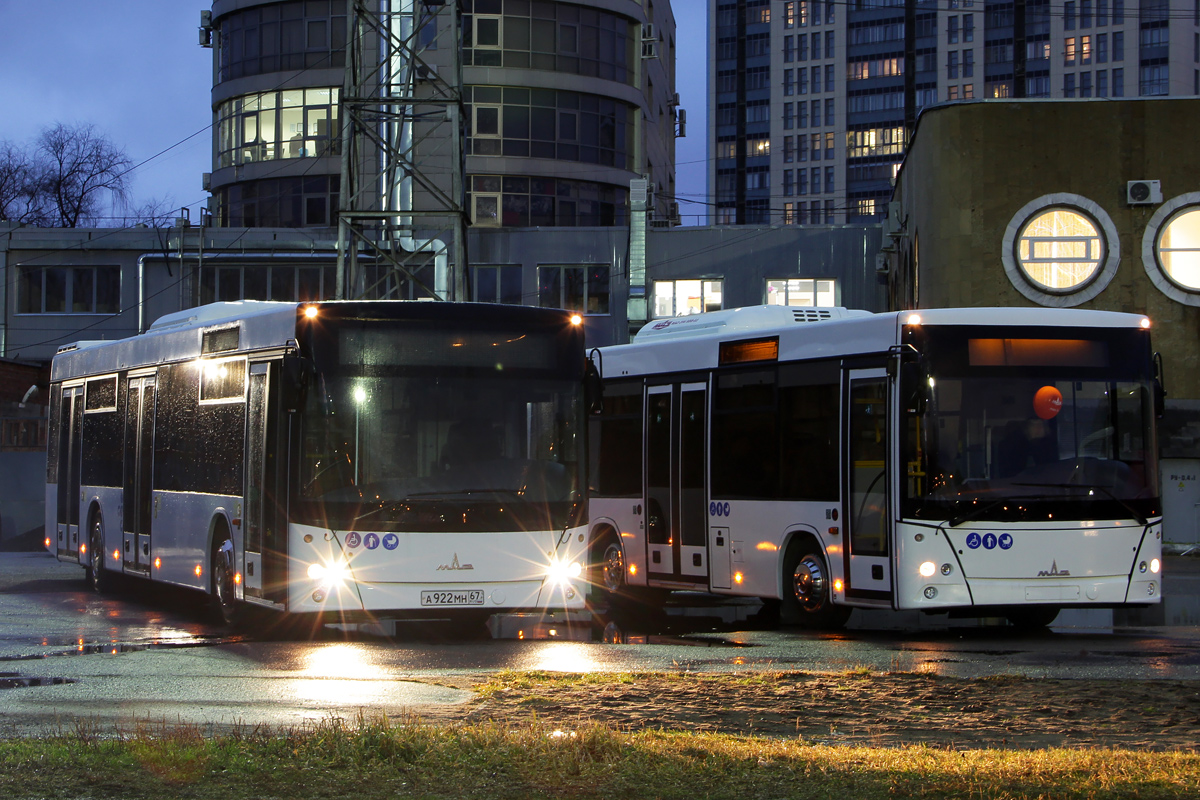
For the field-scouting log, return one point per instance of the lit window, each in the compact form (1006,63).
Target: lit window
(1060,249)
(680,298)
(802,292)
(1171,248)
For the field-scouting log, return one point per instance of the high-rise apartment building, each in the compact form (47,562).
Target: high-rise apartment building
(564,104)
(808,99)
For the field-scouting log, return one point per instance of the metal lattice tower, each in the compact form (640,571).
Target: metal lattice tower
(402,224)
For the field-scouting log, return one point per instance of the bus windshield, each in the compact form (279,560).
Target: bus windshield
(414,427)
(1030,425)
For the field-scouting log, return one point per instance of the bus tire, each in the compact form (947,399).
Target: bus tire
(607,573)
(97,576)
(1032,618)
(226,607)
(806,599)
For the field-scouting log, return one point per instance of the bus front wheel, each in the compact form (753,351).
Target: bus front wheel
(806,598)
(607,576)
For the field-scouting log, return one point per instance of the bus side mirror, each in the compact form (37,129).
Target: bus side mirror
(593,388)
(1160,391)
(914,386)
(297,372)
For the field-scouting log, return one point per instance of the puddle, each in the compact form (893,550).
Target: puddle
(116,648)
(14,680)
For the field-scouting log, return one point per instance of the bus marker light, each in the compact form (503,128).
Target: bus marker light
(576,319)
(46,542)
(1145,322)
(116,555)
(738,578)
(158,563)
(913,319)
(83,549)
(310,312)
(237,578)
(633,569)
(198,570)
(837,584)
(927,569)
(833,531)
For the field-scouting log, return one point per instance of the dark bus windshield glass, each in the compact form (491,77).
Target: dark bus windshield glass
(411,427)
(1031,425)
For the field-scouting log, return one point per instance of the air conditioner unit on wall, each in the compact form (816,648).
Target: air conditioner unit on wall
(648,34)
(1143,193)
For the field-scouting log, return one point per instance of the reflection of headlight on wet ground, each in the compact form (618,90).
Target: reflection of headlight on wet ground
(332,574)
(561,572)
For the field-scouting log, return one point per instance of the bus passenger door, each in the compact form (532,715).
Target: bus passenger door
(868,533)
(254,511)
(676,491)
(139,459)
(70,458)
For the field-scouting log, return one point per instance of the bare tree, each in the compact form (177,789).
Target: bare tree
(77,168)
(21,199)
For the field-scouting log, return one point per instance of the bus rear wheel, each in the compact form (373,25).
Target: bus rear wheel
(806,598)
(97,575)
(226,606)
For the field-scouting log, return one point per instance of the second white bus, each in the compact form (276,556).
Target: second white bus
(983,462)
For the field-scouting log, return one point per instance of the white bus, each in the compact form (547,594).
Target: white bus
(337,459)
(982,462)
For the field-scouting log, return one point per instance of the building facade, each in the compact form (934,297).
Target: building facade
(565,103)
(1109,221)
(807,99)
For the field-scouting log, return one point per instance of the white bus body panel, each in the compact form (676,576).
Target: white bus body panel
(1072,563)
(184,544)
(509,569)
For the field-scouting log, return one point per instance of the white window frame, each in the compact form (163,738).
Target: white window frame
(1106,270)
(796,286)
(1150,255)
(499,20)
(705,287)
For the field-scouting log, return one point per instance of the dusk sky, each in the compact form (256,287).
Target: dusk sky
(135,70)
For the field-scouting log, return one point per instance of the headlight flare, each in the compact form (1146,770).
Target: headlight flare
(332,574)
(562,572)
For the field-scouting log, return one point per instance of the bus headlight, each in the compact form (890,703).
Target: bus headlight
(332,574)
(561,572)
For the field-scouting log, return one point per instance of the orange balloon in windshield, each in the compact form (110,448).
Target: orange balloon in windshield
(1047,402)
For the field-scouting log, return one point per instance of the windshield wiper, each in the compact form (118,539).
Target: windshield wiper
(1133,512)
(978,511)
(466,492)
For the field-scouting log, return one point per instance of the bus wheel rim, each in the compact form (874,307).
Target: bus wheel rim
(613,568)
(808,583)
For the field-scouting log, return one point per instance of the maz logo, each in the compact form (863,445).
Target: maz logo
(454,565)
(1054,572)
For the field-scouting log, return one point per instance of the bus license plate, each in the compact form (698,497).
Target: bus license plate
(457,597)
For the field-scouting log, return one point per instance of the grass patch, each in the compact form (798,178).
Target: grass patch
(377,758)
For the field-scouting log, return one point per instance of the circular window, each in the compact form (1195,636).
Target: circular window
(1179,248)
(1060,250)
(1171,248)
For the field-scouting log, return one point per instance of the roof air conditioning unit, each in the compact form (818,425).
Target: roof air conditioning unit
(649,50)
(648,33)
(1143,193)
(206,181)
